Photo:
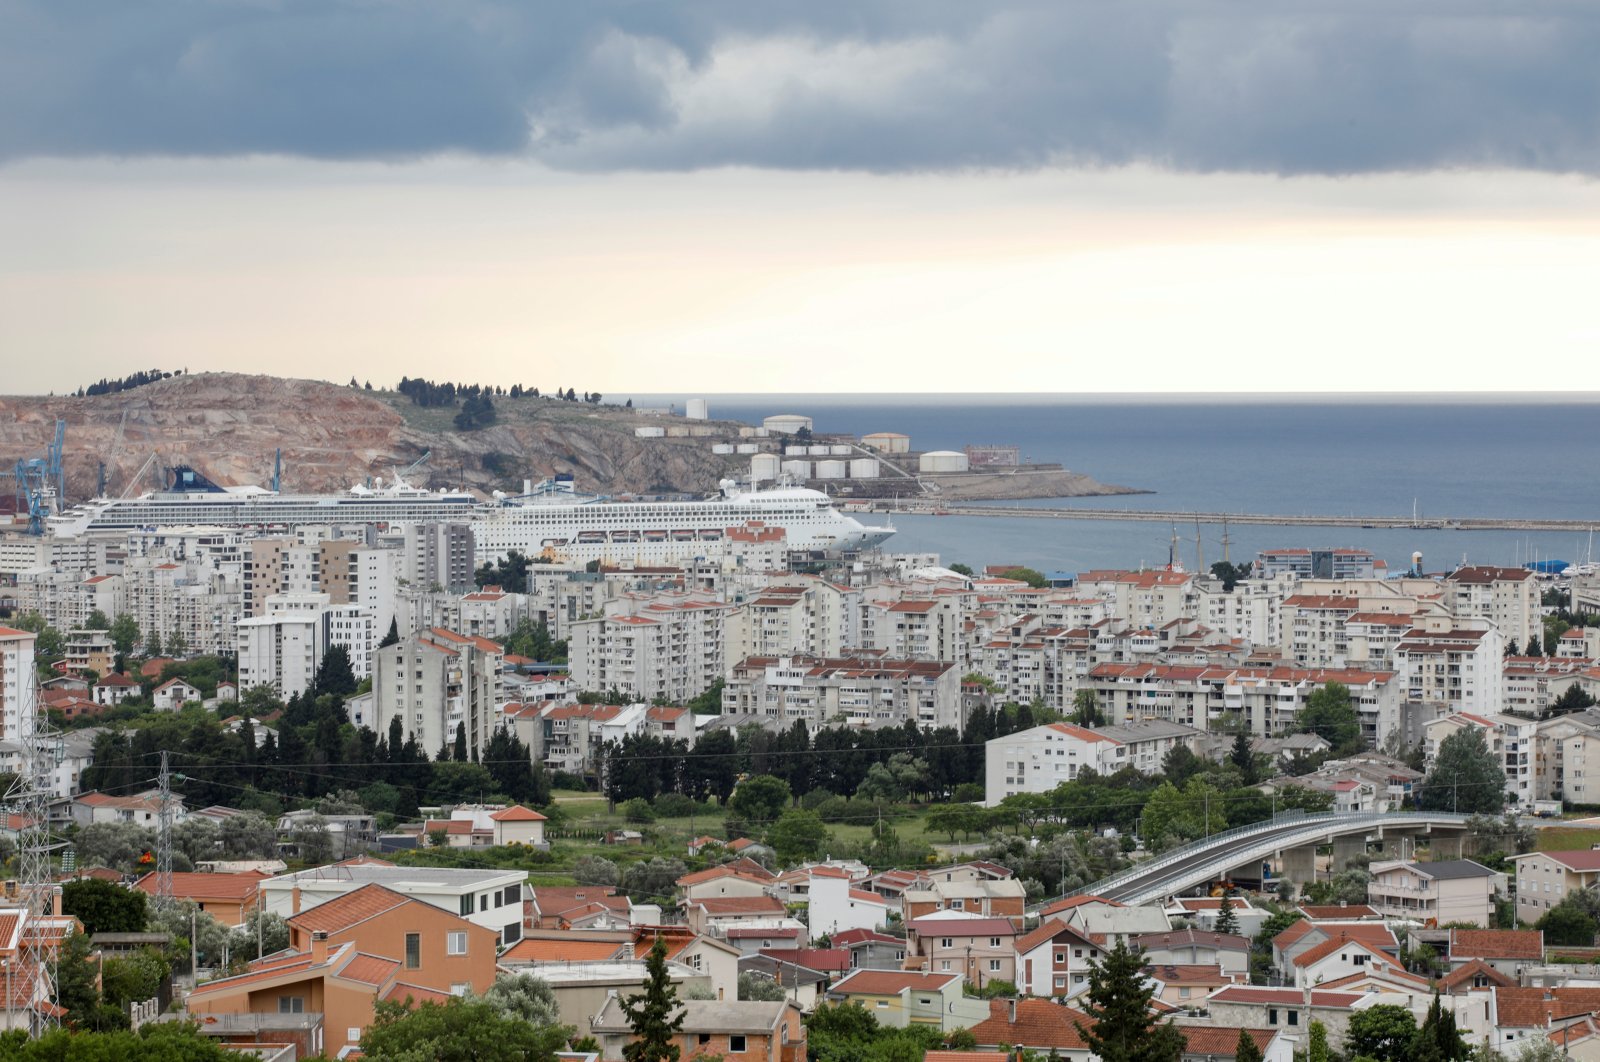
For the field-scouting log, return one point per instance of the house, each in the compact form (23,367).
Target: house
(836,904)
(558,907)
(112,689)
(870,950)
(1005,898)
(980,949)
(721,881)
(784,933)
(1286,1009)
(1216,1043)
(736,1030)
(518,825)
(1120,923)
(488,898)
(173,694)
(1520,1014)
(717,914)
(1203,912)
(1305,934)
(699,844)
(229,898)
(344,955)
(141,809)
(744,846)
(1456,890)
(899,998)
(1187,986)
(1037,1025)
(1544,879)
(1506,950)
(1194,947)
(1054,960)
(801,984)
(1334,959)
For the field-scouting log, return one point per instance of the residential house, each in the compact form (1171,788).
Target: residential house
(1003,898)
(1038,759)
(344,955)
(1187,986)
(716,915)
(229,898)
(980,949)
(173,694)
(870,950)
(1457,890)
(112,689)
(836,904)
(1506,950)
(1036,1025)
(1285,1010)
(488,898)
(1054,960)
(1194,947)
(735,1030)
(899,998)
(141,809)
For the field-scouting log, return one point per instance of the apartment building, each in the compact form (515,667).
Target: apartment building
(1457,890)
(980,949)
(1039,759)
(1252,611)
(65,597)
(1532,684)
(1316,563)
(435,681)
(1142,598)
(17,679)
(798,615)
(1567,758)
(1512,740)
(284,645)
(1544,879)
(861,690)
(1577,643)
(1457,667)
(909,628)
(665,645)
(1508,598)
(440,555)
(1269,699)
(570,737)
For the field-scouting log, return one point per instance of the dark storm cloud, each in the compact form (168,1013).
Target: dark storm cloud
(1287,87)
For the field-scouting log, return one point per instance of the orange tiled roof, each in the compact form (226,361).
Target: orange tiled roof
(1497,943)
(352,908)
(369,969)
(568,949)
(237,887)
(1039,1024)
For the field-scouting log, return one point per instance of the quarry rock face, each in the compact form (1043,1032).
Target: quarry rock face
(229,426)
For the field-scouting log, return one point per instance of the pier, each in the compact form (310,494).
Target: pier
(922,507)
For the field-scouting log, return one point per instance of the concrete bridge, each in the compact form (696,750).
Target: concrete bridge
(1291,839)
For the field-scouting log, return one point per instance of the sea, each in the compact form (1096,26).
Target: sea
(1436,459)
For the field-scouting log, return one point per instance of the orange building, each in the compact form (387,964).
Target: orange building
(744,1031)
(229,898)
(343,956)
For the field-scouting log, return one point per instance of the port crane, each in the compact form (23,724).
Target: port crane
(41,482)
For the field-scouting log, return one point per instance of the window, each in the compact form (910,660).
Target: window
(994,965)
(1272,1015)
(413,950)
(352,1033)
(291,1004)
(455,943)
(925,1001)
(944,965)
(736,1044)
(994,942)
(947,942)
(460,988)
(1061,957)
(466,906)
(1294,1017)
(883,1004)
(705,1038)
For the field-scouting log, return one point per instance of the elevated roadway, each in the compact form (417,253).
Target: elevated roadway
(1291,838)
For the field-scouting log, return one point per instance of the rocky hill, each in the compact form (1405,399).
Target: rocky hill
(229,426)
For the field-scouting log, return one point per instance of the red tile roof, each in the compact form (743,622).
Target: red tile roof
(738,905)
(962,927)
(1466,973)
(517,813)
(237,887)
(1329,947)
(1222,1041)
(1497,944)
(369,969)
(354,907)
(1039,1024)
(1583,859)
(1334,911)
(892,982)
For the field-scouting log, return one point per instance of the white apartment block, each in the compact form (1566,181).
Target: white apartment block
(1316,563)
(1577,643)
(1506,597)
(199,598)
(1269,699)
(909,628)
(1039,759)
(284,647)
(1532,684)
(441,555)
(434,681)
(1586,592)
(21,553)
(1252,611)
(864,690)
(1455,667)
(668,645)
(1567,761)
(16,685)
(1143,599)
(800,614)
(66,598)
(571,737)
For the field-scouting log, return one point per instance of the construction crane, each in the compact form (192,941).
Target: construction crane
(400,476)
(40,483)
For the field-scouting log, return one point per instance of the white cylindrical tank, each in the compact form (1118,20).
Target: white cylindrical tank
(695,409)
(817,451)
(832,469)
(840,448)
(764,466)
(798,469)
(786,423)
(942,461)
(864,468)
(794,451)
(649,433)
(749,448)
(722,448)
(887,442)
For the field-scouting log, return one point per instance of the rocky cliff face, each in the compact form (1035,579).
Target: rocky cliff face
(230,425)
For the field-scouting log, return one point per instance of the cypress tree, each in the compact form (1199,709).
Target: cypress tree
(653,1013)
(393,637)
(1124,1028)
(1227,921)
(1246,1051)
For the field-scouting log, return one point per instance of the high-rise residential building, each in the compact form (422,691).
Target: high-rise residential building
(284,647)
(434,681)
(441,555)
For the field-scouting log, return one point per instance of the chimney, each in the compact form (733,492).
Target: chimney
(319,947)
(627,951)
(294,900)
(1011,1011)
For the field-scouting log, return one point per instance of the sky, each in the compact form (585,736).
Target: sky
(928,196)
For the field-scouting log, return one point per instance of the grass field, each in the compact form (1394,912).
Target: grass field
(1566,838)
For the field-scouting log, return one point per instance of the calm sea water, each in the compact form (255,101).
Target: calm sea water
(1448,459)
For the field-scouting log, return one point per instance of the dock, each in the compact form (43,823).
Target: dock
(925,507)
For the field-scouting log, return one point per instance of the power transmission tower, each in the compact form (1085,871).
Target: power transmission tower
(29,799)
(164,837)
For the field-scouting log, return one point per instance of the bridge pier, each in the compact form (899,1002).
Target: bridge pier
(1299,864)
(1346,848)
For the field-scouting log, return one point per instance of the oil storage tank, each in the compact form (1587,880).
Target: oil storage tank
(937,461)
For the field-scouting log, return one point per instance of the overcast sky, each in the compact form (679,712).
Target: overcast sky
(710,196)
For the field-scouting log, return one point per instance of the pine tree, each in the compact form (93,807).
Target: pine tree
(1124,1028)
(1244,758)
(1247,1050)
(1438,1040)
(1227,921)
(654,1014)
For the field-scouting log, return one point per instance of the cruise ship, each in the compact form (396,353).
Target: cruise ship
(555,521)
(551,520)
